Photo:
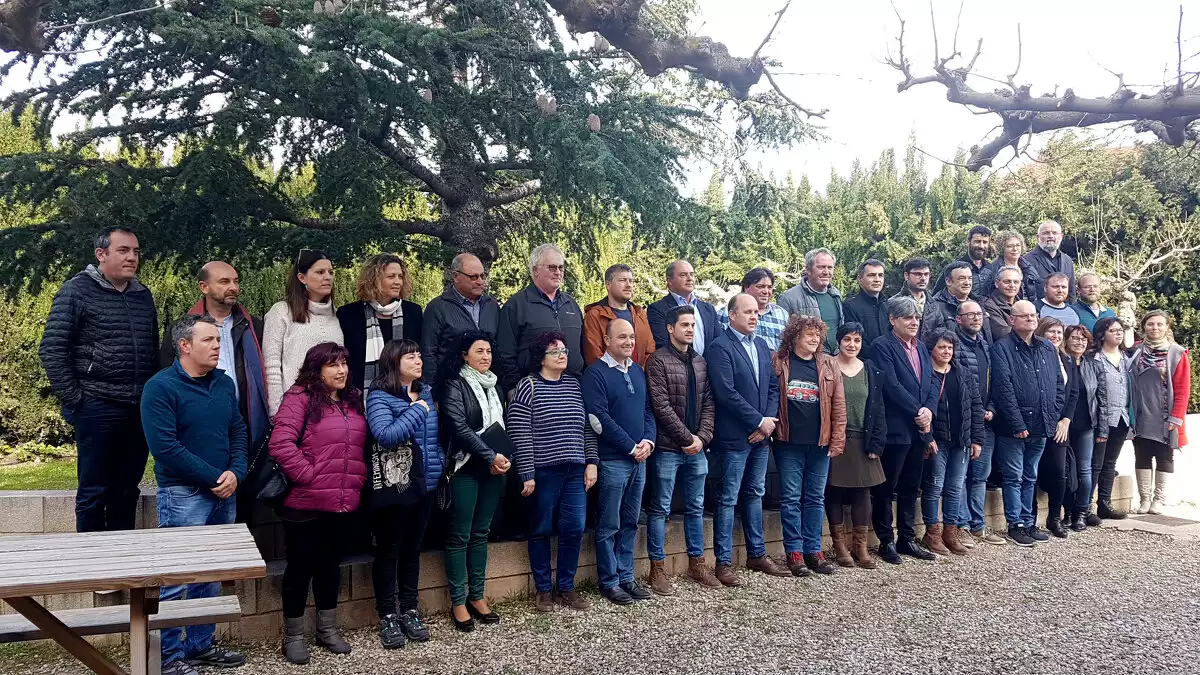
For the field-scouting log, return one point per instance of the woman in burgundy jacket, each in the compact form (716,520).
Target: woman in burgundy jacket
(318,440)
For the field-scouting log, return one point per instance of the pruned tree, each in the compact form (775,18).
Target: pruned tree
(1171,112)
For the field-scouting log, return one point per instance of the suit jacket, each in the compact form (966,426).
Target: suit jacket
(741,402)
(903,393)
(656,314)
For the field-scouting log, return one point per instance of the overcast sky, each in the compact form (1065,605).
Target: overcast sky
(1065,42)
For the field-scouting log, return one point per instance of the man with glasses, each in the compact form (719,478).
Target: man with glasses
(1048,257)
(541,307)
(681,290)
(614,393)
(617,304)
(916,282)
(998,304)
(1088,308)
(1028,389)
(974,353)
(464,306)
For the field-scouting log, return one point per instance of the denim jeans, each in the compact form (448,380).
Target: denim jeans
(181,506)
(741,480)
(619,502)
(1020,458)
(1084,444)
(975,496)
(942,484)
(803,471)
(559,491)
(112,458)
(667,466)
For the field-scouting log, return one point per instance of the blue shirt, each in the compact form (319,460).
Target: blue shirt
(225,359)
(472,307)
(747,343)
(698,341)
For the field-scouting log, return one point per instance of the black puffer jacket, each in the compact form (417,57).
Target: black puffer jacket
(99,341)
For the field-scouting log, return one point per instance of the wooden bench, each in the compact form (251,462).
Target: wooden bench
(104,620)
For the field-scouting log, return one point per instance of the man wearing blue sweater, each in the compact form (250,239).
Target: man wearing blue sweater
(198,438)
(614,392)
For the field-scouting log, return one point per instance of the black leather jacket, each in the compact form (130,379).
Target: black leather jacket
(461,421)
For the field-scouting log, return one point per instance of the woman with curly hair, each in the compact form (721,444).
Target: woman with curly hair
(381,314)
(811,429)
(1162,382)
(318,441)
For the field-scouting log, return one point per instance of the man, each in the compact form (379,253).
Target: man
(1047,259)
(681,286)
(759,283)
(542,306)
(677,379)
(99,349)
(464,306)
(746,394)
(911,397)
(942,308)
(979,245)
(816,296)
(1054,300)
(868,306)
(1088,307)
(916,282)
(998,305)
(618,281)
(974,353)
(198,438)
(614,391)
(1027,394)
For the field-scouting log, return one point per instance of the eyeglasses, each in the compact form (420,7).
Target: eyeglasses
(972,315)
(558,352)
(1079,338)
(473,277)
(556,268)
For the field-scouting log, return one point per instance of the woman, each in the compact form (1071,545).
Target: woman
(811,429)
(1161,380)
(1086,424)
(853,472)
(1055,468)
(404,423)
(955,439)
(1010,247)
(470,405)
(556,462)
(318,442)
(380,315)
(293,325)
(1113,368)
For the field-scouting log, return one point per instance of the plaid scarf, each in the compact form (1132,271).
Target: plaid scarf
(375,341)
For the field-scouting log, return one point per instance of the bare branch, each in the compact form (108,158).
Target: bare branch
(433,228)
(797,106)
(1020,50)
(1179,47)
(80,24)
(778,18)
(513,194)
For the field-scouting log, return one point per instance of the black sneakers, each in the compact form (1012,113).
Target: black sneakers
(1020,536)
(413,627)
(218,657)
(1036,534)
(179,667)
(391,635)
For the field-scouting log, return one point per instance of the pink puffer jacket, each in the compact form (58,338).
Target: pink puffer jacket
(327,469)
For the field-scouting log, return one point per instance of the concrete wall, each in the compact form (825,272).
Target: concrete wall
(508,562)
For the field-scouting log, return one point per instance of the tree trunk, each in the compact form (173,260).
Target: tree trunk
(470,229)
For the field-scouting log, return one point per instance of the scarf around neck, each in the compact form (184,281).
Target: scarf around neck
(1154,355)
(393,312)
(483,385)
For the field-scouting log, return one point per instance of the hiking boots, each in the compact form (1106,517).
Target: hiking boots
(659,582)
(817,563)
(952,540)
(1106,511)
(391,635)
(727,576)
(701,574)
(796,565)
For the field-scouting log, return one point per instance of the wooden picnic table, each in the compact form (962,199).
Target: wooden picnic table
(141,561)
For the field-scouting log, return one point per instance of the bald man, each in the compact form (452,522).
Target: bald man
(614,392)
(1028,391)
(240,355)
(464,306)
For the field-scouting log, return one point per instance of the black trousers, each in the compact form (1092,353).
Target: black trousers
(112,458)
(902,466)
(396,569)
(315,543)
(1148,453)
(1052,478)
(1104,461)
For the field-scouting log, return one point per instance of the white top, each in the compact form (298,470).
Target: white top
(286,343)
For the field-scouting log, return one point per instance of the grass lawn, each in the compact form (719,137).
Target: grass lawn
(52,475)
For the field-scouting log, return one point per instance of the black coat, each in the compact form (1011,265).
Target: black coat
(872,313)
(1072,389)
(166,353)
(940,310)
(353,318)
(444,322)
(1043,265)
(528,314)
(876,419)
(656,314)
(1030,281)
(461,416)
(976,356)
(99,341)
(971,429)
(1027,383)
(980,278)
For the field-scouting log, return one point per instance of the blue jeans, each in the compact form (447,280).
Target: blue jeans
(619,501)
(803,471)
(741,480)
(1083,444)
(1019,457)
(181,506)
(666,470)
(942,484)
(975,496)
(558,489)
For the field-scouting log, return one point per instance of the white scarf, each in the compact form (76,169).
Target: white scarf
(374,346)
(483,385)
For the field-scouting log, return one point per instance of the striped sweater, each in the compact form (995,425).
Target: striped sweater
(546,422)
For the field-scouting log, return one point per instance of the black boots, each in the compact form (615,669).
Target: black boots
(1106,511)
(1056,528)
(911,548)
(1079,522)
(888,554)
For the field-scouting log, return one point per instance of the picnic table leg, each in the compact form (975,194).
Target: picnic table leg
(142,603)
(64,636)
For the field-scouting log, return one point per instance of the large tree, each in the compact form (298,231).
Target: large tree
(482,111)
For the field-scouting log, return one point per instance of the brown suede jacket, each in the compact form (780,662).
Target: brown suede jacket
(833,401)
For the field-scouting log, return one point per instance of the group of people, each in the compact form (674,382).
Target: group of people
(1010,370)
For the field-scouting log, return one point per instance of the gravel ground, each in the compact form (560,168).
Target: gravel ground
(1102,602)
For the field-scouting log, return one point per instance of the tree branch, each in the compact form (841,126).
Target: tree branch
(797,106)
(778,18)
(513,194)
(432,228)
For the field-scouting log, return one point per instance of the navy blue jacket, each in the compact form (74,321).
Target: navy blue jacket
(193,427)
(656,314)
(741,403)
(1027,387)
(625,418)
(903,393)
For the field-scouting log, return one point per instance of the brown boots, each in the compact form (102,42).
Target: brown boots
(727,576)
(862,557)
(841,545)
(701,574)
(933,540)
(658,580)
(952,538)
(767,565)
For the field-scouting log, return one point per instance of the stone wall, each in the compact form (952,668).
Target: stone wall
(508,563)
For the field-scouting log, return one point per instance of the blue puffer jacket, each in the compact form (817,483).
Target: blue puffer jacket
(395,420)
(1028,390)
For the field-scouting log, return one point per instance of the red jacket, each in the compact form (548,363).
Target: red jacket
(327,468)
